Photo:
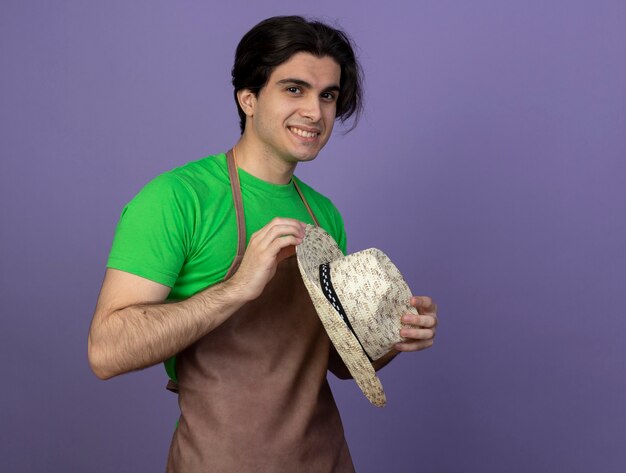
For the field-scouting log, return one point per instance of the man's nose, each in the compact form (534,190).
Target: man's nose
(312,109)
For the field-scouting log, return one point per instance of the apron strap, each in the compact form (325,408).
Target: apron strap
(306,204)
(172,386)
(235,186)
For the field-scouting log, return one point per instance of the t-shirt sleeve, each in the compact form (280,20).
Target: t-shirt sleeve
(155,230)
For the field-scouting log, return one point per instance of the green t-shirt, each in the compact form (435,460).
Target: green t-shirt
(180,230)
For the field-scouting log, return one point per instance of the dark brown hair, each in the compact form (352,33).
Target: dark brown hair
(275,40)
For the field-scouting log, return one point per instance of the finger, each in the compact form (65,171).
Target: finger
(266,236)
(417,333)
(280,221)
(426,321)
(297,224)
(292,227)
(280,247)
(414,346)
(261,256)
(424,304)
(287,220)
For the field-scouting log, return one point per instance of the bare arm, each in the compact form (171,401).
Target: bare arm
(132,328)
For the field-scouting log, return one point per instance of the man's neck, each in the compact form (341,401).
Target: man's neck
(262,163)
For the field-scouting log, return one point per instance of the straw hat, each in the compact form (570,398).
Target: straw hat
(360,299)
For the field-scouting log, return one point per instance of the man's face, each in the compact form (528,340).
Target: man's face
(292,116)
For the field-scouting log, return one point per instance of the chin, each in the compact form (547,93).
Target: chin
(301,158)
(307,153)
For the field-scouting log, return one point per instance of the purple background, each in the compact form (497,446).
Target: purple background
(490,165)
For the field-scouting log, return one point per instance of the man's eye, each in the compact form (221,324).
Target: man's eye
(293,90)
(328,96)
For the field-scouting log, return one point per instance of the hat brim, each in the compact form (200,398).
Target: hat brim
(319,248)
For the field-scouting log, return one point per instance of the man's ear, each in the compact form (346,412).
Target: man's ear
(247,101)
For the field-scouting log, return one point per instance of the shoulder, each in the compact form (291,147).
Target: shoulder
(199,174)
(187,181)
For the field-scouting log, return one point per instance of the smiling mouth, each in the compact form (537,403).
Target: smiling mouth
(303,133)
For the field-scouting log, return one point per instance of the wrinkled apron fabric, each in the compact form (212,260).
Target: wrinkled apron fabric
(253,393)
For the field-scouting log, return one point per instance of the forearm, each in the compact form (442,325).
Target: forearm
(139,336)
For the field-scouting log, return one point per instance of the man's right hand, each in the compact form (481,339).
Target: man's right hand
(267,247)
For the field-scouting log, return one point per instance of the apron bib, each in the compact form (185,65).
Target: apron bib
(253,393)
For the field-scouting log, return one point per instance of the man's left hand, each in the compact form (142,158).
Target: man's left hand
(422,333)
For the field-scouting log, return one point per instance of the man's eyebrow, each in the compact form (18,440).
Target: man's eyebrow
(306,85)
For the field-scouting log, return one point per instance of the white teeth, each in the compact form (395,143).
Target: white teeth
(304,134)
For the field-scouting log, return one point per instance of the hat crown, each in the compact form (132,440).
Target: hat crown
(374,297)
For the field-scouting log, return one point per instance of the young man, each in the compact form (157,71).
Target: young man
(243,345)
